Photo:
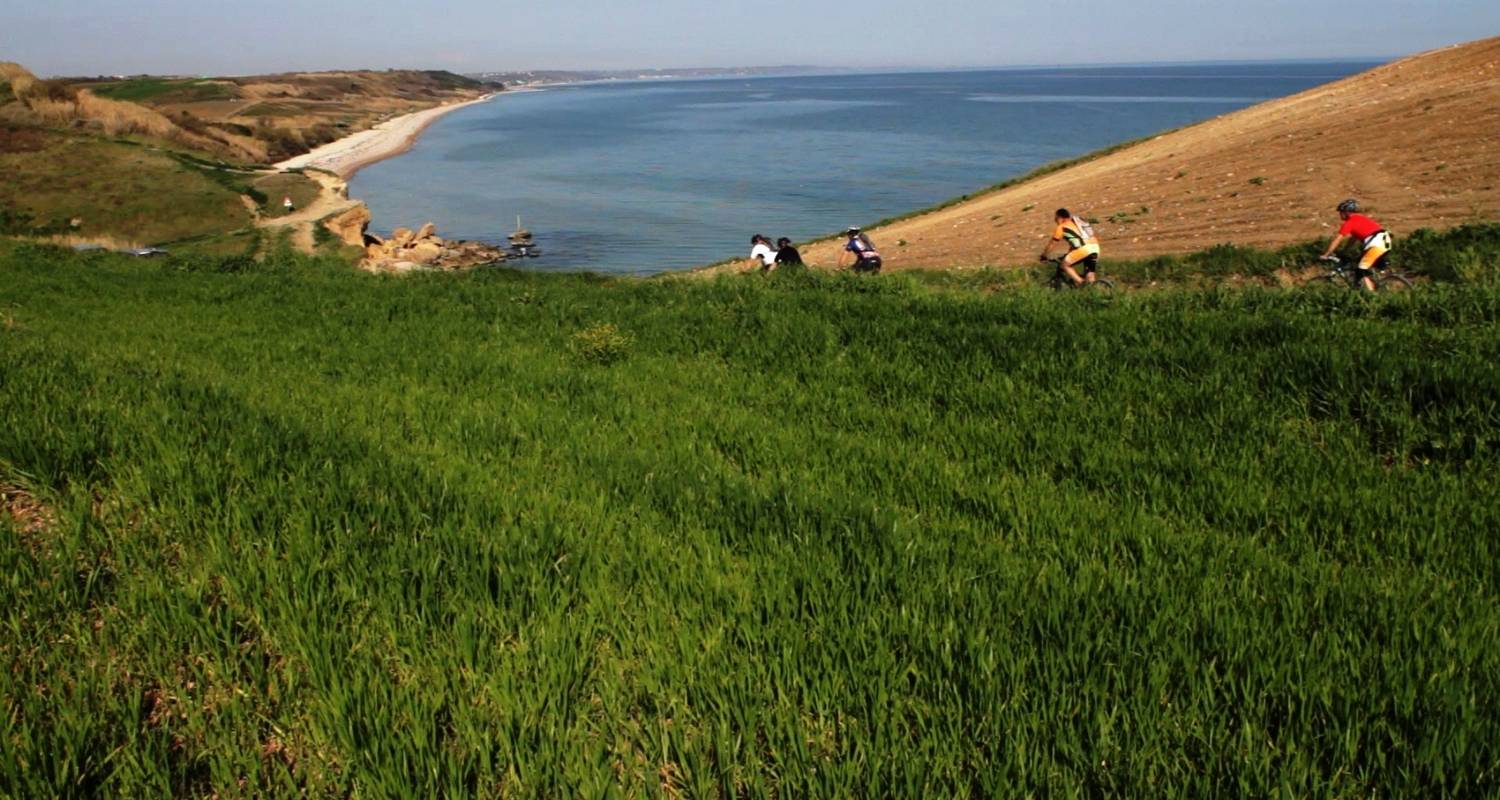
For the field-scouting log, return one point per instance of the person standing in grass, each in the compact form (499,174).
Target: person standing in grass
(866,257)
(1083,246)
(286,203)
(1374,238)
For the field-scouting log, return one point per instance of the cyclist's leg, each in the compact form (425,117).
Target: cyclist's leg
(1091,268)
(1073,257)
(1374,256)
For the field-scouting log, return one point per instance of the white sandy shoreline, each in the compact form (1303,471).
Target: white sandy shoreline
(393,137)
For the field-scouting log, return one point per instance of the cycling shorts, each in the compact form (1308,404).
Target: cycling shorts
(1089,254)
(1376,248)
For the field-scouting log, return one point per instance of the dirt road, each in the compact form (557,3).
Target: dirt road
(333,198)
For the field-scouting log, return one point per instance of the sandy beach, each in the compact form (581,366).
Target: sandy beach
(390,138)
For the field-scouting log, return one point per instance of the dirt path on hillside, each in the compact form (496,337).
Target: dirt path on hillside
(333,198)
(1417,140)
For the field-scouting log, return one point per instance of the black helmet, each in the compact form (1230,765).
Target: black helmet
(757,239)
(1349,206)
(783,242)
(851,230)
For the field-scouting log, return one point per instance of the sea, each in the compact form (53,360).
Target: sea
(652,176)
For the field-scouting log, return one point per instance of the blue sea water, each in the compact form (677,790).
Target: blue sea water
(653,176)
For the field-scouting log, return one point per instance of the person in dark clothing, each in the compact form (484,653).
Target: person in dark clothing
(786,254)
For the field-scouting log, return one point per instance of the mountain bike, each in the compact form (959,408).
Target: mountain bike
(1060,280)
(1342,271)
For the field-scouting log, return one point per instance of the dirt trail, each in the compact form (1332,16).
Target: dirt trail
(1417,140)
(332,199)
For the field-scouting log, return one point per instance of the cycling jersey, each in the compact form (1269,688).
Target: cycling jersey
(1361,226)
(861,248)
(1372,237)
(1076,232)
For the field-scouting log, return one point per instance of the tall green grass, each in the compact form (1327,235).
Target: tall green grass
(514,534)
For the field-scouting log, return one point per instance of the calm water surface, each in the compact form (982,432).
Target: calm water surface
(654,176)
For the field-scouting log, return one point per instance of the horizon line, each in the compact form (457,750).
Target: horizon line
(869,70)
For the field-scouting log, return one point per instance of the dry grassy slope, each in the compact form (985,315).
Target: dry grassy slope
(67,173)
(267,118)
(1418,140)
(300,100)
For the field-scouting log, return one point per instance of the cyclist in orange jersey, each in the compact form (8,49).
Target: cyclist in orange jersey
(1083,247)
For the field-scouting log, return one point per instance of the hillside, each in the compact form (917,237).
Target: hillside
(291,113)
(284,531)
(1418,140)
(153,161)
(256,119)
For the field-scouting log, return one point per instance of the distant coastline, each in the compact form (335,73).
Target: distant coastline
(344,157)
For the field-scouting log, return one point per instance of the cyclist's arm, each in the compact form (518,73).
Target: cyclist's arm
(1048,249)
(1334,245)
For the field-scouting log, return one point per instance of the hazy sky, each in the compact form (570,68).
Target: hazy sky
(75,37)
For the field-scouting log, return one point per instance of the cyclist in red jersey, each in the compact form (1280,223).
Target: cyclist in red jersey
(1374,238)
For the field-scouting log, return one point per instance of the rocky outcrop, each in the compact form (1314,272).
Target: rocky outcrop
(407,251)
(350,225)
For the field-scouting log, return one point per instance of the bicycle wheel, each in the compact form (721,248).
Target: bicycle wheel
(1102,284)
(1394,282)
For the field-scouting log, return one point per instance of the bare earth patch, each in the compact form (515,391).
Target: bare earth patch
(29,516)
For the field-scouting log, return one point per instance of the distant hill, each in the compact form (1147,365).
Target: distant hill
(168,160)
(1417,140)
(290,113)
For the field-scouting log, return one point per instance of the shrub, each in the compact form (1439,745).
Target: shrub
(281,143)
(1477,267)
(602,343)
(1444,254)
(20,223)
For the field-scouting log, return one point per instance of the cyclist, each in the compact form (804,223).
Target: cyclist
(866,259)
(1083,247)
(786,254)
(762,257)
(1375,239)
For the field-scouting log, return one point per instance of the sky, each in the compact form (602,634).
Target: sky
(206,37)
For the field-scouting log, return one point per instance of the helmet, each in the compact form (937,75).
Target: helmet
(1349,206)
(851,230)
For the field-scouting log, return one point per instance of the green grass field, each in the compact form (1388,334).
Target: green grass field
(163,90)
(278,186)
(119,189)
(515,535)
